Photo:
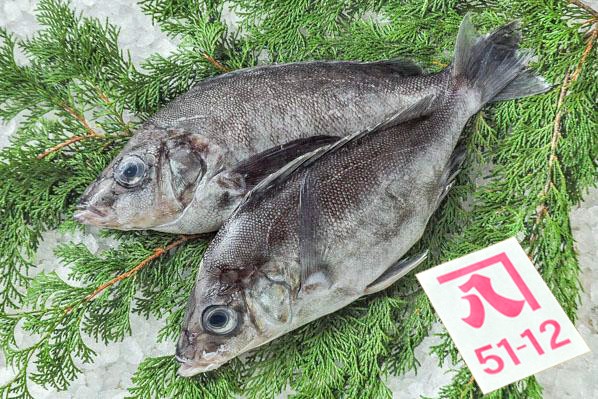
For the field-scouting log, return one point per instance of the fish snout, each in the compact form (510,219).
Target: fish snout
(91,214)
(180,359)
(191,367)
(94,206)
(194,358)
(100,194)
(86,206)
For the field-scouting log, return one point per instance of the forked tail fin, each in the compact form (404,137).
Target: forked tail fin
(492,64)
(527,83)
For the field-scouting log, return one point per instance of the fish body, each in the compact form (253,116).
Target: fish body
(175,173)
(248,111)
(334,224)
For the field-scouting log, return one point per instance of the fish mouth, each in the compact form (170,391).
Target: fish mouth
(90,214)
(189,368)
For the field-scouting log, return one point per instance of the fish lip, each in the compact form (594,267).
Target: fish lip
(90,208)
(91,215)
(189,369)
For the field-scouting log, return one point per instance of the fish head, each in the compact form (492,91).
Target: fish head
(214,331)
(231,311)
(150,182)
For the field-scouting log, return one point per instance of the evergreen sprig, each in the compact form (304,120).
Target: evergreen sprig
(73,95)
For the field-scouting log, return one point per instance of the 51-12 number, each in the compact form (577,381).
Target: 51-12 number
(499,364)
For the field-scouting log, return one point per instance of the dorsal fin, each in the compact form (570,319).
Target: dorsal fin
(401,67)
(416,110)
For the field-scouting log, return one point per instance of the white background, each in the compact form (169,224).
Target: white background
(110,374)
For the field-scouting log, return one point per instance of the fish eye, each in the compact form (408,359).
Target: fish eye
(130,171)
(219,320)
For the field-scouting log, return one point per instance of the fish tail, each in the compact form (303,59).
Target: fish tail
(493,65)
(526,84)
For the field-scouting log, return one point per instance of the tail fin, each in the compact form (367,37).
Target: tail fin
(525,84)
(490,63)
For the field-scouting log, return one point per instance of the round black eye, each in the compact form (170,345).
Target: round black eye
(130,171)
(219,320)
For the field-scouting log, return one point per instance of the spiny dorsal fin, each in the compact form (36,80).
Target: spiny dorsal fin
(399,66)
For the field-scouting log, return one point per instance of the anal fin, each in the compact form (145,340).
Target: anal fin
(395,272)
(452,170)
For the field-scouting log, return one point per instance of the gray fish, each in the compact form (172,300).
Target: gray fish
(180,172)
(187,168)
(333,225)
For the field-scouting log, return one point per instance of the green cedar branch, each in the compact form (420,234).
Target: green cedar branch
(568,80)
(77,59)
(66,60)
(90,135)
(58,319)
(156,254)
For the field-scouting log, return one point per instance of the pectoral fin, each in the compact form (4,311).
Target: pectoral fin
(255,168)
(395,272)
(311,253)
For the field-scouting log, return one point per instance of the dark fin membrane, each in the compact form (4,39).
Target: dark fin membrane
(489,63)
(452,170)
(525,84)
(395,272)
(400,67)
(255,168)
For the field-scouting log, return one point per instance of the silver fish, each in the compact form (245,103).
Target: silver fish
(180,172)
(334,224)
(186,169)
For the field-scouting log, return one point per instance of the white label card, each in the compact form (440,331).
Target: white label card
(501,315)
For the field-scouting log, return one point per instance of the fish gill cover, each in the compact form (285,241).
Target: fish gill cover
(77,90)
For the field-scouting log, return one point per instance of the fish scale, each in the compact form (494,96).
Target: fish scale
(349,184)
(287,102)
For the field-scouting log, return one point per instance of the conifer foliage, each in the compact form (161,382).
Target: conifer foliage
(79,98)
